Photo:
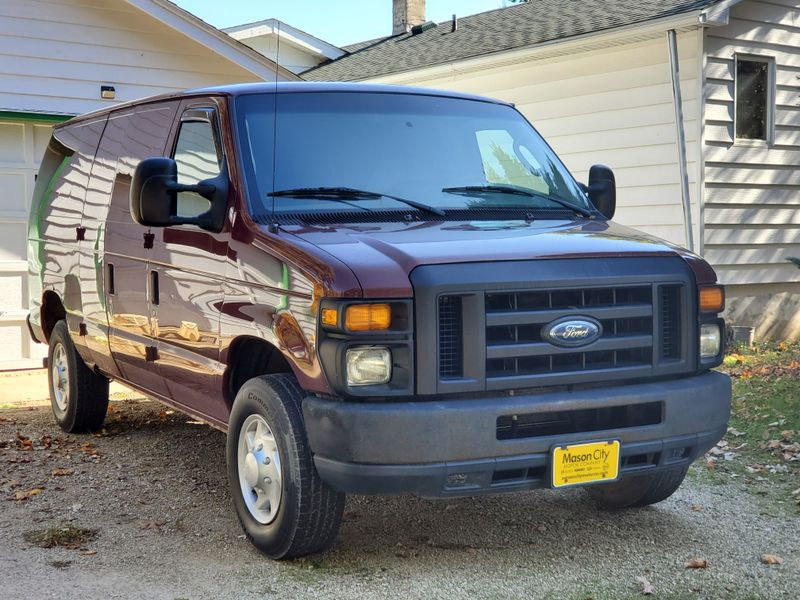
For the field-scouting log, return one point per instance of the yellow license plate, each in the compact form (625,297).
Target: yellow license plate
(585,463)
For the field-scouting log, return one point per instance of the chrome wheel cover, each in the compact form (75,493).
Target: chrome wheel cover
(59,373)
(259,467)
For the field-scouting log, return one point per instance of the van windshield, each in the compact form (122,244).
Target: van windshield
(370,151)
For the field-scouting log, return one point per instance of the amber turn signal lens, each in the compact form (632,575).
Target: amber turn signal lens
(712,299)
(330,317)
(368,317)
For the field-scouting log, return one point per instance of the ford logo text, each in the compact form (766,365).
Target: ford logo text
(572,332)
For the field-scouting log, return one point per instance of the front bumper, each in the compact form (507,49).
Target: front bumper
(451,448)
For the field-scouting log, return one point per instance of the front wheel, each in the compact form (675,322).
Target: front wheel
(637,490)
(285,509)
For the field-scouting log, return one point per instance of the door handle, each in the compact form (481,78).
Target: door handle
(154,291)
(111,286)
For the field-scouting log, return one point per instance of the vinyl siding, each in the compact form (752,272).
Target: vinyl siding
(611,106)
(752,192)
(55,54)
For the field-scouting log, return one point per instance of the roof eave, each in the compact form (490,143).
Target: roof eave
(296,36)
(195,28)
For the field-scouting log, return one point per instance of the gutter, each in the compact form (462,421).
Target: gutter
(683,162)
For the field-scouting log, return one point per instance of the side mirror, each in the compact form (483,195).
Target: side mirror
(154,196)
(602,190)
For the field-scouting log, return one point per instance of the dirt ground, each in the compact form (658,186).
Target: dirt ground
(152,491)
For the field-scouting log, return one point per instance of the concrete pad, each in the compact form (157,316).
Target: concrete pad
(30,388)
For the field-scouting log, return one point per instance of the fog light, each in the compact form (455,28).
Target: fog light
(709,340)
(369,365)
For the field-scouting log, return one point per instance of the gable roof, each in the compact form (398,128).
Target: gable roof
(518,26)
(195,28)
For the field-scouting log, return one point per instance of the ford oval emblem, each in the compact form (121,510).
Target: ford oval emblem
(572,332)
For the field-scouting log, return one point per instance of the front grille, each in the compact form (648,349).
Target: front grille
(670,322)
(516,323)
(504,325)
(451,338)
(511,427)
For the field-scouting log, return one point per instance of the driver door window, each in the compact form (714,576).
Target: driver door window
(198,157)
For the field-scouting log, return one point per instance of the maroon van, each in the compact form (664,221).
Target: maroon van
(374,290)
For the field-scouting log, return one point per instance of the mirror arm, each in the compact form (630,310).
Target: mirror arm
(204,189)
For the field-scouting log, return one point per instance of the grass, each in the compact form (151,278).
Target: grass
(764,431)
(66,536)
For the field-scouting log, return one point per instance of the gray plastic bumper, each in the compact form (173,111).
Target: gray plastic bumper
(444,448)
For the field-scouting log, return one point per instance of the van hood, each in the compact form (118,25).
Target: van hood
(382,255)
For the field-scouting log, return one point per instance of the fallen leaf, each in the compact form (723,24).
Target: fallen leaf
(151,524)
(89,449)
(697,507)
(647,588)
(23,442)
(696,563)
(89,553)
(62,472)
(24,495)
(771,559)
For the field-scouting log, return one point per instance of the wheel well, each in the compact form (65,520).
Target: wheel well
(250,357)
(52,312)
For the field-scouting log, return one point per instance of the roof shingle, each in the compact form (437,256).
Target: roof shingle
(517,26)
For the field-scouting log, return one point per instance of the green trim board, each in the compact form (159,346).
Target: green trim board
(7,115)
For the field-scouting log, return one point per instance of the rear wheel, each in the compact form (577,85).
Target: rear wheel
(285,509)
(78,395)
(638,490)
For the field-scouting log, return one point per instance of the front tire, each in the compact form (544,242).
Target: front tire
(285,509)
(78,395)
(638,490)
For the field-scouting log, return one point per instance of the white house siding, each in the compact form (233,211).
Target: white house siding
(292,57)
(612,106)
(54,56)
(752,196)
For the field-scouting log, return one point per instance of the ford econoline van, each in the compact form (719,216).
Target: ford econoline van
(372,290)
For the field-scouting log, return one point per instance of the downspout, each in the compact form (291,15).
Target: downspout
(682,160)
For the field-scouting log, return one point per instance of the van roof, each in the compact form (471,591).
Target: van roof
(285,87)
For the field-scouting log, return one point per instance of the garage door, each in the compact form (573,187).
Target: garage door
(22,144)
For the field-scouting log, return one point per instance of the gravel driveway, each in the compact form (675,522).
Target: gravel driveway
(154,488)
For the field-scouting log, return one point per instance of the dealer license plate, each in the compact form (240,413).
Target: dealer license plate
(585,463)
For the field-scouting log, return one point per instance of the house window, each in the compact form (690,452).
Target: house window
(754,98)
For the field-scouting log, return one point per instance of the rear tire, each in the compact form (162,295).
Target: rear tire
(270,464)
(78,395)
(638,490)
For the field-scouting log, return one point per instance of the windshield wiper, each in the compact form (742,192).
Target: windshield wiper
(345,193)
(510,189)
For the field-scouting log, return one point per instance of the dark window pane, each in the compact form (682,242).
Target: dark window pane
(752,78)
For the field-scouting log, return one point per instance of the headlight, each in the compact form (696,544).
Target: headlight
(709,340)
(370,365)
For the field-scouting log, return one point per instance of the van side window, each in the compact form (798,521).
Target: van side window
(198,158)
